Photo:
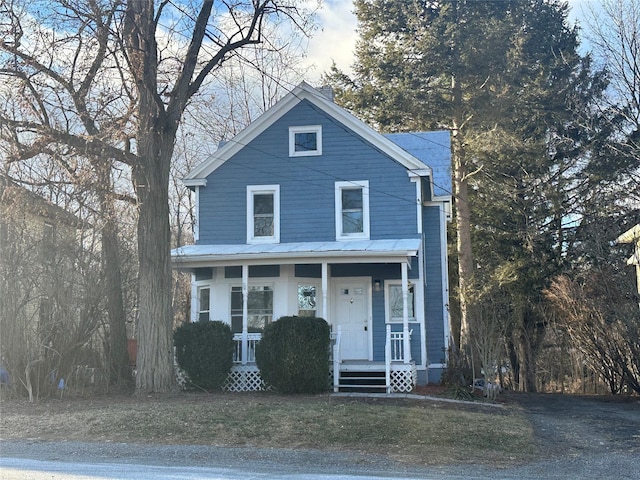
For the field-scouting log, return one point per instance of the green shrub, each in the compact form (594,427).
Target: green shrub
(204,350)
(293,355)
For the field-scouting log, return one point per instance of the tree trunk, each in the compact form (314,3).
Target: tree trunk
(119,370)
(154,149)
(463,241)
(527,361)
(155,352)
(461,199)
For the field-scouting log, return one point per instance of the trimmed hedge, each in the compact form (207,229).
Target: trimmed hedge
(293,355)
(204,350)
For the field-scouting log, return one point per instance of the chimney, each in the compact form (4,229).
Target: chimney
(327,91)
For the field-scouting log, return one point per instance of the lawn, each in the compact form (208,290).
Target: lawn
(412,431)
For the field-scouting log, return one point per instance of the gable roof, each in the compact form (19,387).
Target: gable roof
(15,199)
(304,91)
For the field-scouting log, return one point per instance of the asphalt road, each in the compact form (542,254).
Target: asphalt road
(580,437)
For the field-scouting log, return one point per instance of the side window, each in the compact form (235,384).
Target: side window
(204,303)
(394,302)
(352,210)
(263,214)
(305,141)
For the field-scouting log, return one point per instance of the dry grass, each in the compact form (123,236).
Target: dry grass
(411,431)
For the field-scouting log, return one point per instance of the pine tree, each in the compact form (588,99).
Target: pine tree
(506,79)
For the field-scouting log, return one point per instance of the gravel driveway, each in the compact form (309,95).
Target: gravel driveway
(580,437)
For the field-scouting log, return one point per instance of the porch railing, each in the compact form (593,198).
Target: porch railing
(397,349)
(397,345)
(252,339)
(396,342)
(337,360)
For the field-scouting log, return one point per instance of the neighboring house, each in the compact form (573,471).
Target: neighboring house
(39,245)
(35,239)
(309,211)
(633,236)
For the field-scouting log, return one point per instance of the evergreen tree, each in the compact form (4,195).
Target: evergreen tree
(506,79)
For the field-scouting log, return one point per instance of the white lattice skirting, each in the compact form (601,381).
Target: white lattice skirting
(244,378)
(403,378)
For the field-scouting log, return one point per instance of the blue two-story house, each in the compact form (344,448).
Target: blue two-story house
(309,211)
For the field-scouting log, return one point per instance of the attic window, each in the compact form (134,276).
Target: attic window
(305,141)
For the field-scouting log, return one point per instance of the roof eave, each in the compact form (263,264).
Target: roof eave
(304,92)
(208,260)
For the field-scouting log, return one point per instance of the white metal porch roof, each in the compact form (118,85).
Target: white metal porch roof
(354,251)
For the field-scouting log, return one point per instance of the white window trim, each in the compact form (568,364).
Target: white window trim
(364,184)
(387,303)
(196,285)
(200,311)
(261,189)
(317,129)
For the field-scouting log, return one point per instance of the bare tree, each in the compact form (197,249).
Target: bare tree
(613,28)
(602,321)
(128,71)
(50,287)
(54,99)
(209,45)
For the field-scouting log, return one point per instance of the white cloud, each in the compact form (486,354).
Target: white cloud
(335,39)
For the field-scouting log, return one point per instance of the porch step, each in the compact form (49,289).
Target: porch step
(362,381)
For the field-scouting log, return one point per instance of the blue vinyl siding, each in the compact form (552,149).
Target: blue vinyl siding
(433,290)
(307,211)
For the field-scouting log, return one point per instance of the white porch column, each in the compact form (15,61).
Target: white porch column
(245,312)
(325,286)
(195,307)
(405,314)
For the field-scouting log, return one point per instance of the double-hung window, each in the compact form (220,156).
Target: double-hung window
(263,214)
(352,210)
(204,303)
(259,308)
(305,141)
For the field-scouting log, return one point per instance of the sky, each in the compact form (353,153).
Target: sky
(335,40)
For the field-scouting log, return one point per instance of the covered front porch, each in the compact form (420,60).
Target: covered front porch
(349,284)
(394,374)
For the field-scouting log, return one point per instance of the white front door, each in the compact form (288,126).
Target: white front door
(351,314)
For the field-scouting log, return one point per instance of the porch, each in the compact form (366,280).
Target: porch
(396,374)
(361,287)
